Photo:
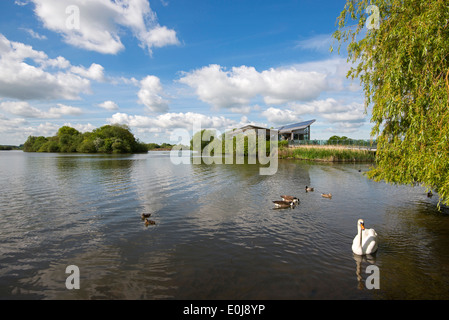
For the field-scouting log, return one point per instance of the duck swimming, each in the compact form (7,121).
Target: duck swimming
(290,199)
(284,204)
(145,215)
(309,189)
(326,195)
(148,222)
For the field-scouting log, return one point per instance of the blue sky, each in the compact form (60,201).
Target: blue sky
(161,65)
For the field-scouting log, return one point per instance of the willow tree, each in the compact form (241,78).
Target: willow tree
(399,50)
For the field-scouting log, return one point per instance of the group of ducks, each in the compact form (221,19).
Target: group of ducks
(145,217)
(365,242)
(292,201)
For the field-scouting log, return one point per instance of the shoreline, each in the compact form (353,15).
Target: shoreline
(327,154)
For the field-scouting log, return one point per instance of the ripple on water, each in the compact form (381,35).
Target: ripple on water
(216,236)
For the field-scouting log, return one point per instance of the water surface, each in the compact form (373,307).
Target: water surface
(216,236)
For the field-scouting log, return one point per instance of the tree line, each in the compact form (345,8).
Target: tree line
(114,138)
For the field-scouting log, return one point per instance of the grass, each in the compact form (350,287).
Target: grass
(327,153)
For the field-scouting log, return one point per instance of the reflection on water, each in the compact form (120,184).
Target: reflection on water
(216,234)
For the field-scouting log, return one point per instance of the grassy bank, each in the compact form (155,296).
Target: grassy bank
(327,153)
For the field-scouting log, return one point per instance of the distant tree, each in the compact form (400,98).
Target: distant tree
(152,146)
(65,130)
(106,139)
(338,140)
(202,138)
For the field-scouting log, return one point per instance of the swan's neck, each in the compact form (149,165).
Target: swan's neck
(360,235)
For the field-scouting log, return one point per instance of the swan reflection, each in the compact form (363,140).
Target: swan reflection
(369,259)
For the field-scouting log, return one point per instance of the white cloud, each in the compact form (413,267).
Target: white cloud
(101,22)
(21,3)
(21,108)
(81,127)
(95,72)
(24,74)
(236,88)
(150,94)
(24,109)
(8,125)
(321,42)
(278,116)
(335,70)
(345,117)
(64,110)
(47,129)
(160,37)
(34,34)
(170,121)
(109,105)
(329,105)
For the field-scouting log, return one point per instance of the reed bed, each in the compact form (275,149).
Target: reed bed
(328,154)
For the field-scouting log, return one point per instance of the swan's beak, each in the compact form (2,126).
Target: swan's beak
(362,226)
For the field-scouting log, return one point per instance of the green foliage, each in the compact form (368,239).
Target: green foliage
(155,146)
(283,144)
(403,68)
(212,142)
(166,146)
(328,154)
(33,144)
(203,138)
(107,139)
(152,146)
(65,130)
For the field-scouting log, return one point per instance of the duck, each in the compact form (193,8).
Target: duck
(290,199)
(145,215)
(326,195)
(309,189)
(429,194)
(365,242)
(284,204)
(148,222)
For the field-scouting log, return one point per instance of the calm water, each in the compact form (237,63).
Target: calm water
(216,236)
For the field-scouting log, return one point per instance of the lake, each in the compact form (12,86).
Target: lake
(217,234)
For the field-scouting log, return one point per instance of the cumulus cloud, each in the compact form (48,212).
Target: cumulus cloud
(237,87)
(170,121)
(27,74)
(96,24)
(109,105)
(8,125)
(278,116)
(95,72)
(21,108)
(64,110)
(150,94)
(24,109)
(81,127)
(345,117)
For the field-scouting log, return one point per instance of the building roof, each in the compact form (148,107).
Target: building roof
(250,126)
(295,126)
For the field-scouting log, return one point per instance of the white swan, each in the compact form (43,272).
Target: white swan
(365,242)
